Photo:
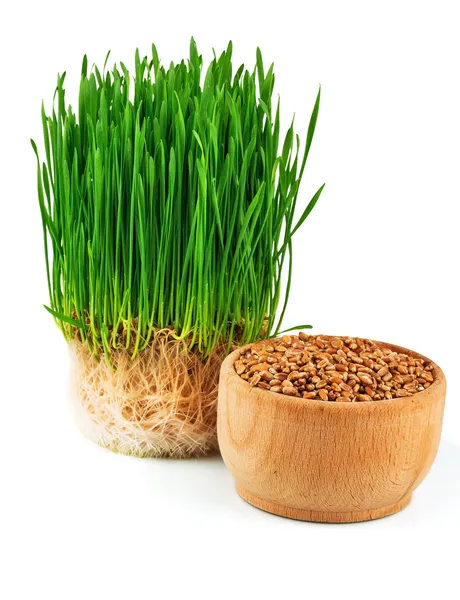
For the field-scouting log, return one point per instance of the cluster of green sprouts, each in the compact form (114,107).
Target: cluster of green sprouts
(166,204)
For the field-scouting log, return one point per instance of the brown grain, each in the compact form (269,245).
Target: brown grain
(333,369)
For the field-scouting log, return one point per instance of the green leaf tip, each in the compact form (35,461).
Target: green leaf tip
(64,318)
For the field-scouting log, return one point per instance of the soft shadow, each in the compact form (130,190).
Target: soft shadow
(441,488)
(436,501)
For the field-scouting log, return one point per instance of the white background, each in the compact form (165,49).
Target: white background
(378,258)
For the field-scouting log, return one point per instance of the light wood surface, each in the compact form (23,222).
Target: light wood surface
(326,461)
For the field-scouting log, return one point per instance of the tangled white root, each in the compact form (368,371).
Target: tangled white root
(161,403)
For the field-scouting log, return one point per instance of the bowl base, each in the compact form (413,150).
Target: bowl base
(323,516)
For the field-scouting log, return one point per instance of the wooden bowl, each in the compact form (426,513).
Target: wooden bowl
(326,461)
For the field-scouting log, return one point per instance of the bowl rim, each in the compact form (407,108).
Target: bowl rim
(439,381)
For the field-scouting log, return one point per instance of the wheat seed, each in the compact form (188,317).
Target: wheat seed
(333,369)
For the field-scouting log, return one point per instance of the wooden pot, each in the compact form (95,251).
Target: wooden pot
(326,461)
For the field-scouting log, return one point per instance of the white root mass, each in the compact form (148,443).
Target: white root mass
(161,403)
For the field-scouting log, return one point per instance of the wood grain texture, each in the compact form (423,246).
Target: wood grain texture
(327,461)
